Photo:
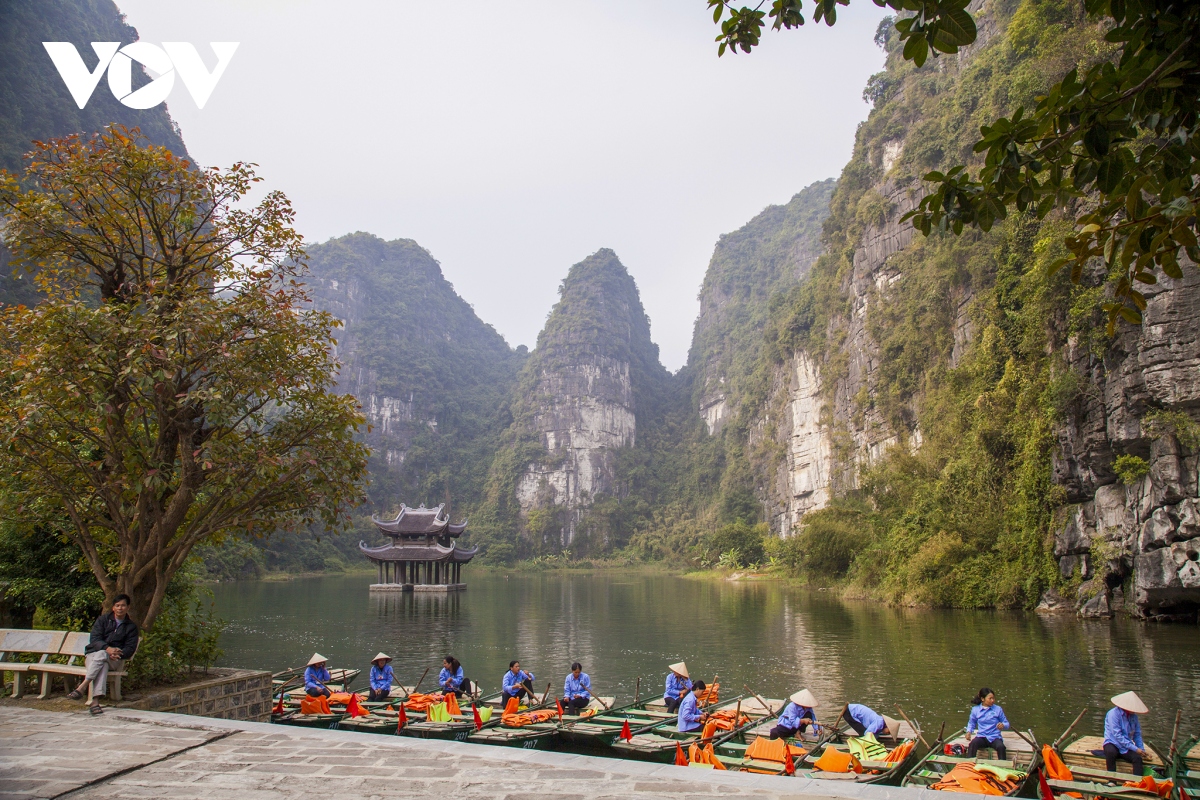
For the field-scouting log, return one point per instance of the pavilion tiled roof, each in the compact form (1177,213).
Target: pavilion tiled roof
(418,552)
(420,522)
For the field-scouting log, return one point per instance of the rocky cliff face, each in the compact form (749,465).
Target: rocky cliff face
(816,420)
(768,255)
(593,376)
(1134,545)
(850,389)
(432,378)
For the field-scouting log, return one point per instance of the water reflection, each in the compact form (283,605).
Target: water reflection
(771,637)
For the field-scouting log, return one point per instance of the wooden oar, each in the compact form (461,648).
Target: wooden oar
(542,702)
(896,734)
(942,733)
(1067,732)
(418,686)
(1028,741)
(637,688)
(1175,735)
(766,706)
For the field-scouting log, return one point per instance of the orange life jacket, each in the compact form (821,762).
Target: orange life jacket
(315,705)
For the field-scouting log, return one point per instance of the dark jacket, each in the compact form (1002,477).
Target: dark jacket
(105,633)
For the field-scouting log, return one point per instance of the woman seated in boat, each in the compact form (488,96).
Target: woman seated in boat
(864,720)
(451,677)
(1123,733)
(517,683)
(316,676)
(678,684)
(797,716)
(984,726)
(690,718)
(382,678)
(577,690)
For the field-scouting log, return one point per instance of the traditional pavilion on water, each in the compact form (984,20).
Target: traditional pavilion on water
(423,555)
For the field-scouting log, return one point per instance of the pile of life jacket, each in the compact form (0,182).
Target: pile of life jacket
(725,720)
(900,752)
(1148,784)
(315,705)
(774,750)
(528,718)
(704,755)
(422,702)
(980,779)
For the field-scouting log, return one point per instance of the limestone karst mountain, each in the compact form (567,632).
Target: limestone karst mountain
(590,389)
(433,379)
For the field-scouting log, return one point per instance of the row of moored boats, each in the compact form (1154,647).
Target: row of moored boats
(736,734)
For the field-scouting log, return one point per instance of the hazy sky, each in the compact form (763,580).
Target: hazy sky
(512,140)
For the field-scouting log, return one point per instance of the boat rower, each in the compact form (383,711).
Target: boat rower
(517,683)
(316,676)
(864,720)
(451,677)
(797,716)
(984,725)
(678,683)
(381,677)
(690,718)
(577,690)
(1123,733)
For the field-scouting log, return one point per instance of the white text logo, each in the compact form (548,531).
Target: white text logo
(161,62)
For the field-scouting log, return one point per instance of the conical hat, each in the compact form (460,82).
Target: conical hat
(893,725)
(804,698)
(316,659)
(381,655)
(680,668)
(1131,703)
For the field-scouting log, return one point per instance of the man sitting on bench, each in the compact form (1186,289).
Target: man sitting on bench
(114,639)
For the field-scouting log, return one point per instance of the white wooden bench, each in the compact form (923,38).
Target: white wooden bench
(74,648)
(15,642)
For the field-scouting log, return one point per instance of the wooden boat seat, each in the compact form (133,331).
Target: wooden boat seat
(20,643)
(74,648)
(1079,754)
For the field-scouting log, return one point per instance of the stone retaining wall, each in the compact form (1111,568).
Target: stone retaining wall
(243,694)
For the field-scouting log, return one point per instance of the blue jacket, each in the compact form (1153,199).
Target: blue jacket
(382,679)
(448,681)
(577,687)
(985,721)
(676,685)
(1123,729)
(867,718)
(314,674)
(513,682)
(689,714)
(792,714)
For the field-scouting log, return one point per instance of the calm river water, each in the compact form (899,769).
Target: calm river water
(772,637)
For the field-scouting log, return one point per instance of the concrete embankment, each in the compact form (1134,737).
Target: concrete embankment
(141,754)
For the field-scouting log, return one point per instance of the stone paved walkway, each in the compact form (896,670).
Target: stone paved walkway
(141,754)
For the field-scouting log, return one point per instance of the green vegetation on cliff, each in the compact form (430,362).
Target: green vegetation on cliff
(963,519)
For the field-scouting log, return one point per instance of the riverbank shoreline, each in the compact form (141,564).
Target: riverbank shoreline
(127,754)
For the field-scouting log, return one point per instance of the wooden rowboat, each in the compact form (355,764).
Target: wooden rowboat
(812,744)
(660,741)
(458,729)
(536,736)
(1186,771)
(601,731)
(935,765)
(1091,776)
